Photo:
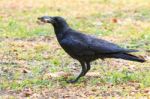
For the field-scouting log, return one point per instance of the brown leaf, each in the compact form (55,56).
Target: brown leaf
(114,20)
(26,92)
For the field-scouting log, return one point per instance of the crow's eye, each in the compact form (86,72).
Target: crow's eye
(56,19)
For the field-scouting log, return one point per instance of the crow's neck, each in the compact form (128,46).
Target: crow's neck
(60,31)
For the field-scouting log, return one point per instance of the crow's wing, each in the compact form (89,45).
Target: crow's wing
(105,47)
(76,45)
(82,44)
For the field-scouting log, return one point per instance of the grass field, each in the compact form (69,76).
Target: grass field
(32,64)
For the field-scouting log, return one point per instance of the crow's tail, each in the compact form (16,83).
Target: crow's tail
(130,57)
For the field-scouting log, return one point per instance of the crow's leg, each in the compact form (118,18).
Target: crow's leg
(88,67)
(83,72)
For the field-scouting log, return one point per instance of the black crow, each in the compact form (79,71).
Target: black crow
(85,48)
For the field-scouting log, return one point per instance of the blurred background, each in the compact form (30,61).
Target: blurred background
(32,64)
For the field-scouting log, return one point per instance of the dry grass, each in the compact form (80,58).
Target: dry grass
(33,65)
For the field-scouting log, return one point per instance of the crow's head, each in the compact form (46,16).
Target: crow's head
(56,21)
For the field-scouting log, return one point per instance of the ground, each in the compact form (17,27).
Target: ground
(32,64)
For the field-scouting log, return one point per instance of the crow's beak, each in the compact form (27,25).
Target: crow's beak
(46,19)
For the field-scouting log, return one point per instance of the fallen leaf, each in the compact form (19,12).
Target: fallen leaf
(26,92)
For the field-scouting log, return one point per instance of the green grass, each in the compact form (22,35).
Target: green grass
(27,46)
